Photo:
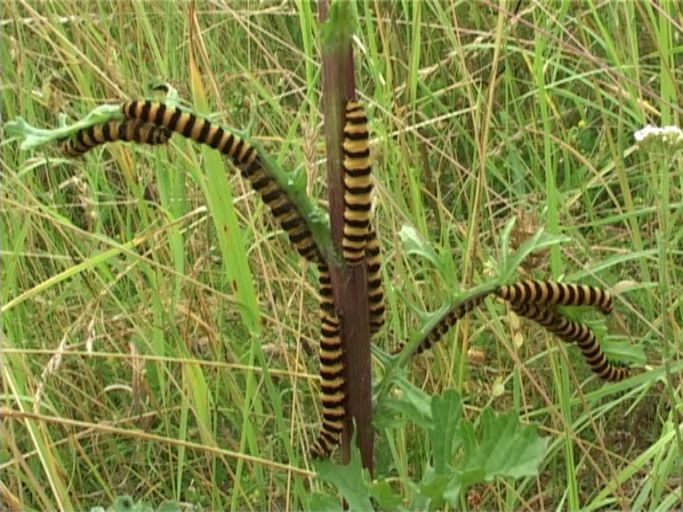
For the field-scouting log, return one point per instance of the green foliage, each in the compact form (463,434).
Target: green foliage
(415,245)
(126,504)
(116,308)
(341,24)
(34,137)
(463,454)
(351,480)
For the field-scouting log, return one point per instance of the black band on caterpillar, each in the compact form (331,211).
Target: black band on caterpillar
(560,294)
(571,331)
(326,299)
(375,291)
(357,183)
(331,371)
(114,131)
(447,321)
(242,155)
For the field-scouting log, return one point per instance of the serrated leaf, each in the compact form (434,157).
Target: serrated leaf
(126,504)
(507,448)
(433,487)
(351,480)
(391,413)
(453,490)
(413,243)
(297,180)
(169,506)
(35,137)
(420,402)
(621,350)
(318,501)
(385,496)
(446,415)
(540,240)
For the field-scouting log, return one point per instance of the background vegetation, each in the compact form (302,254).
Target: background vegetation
(127,362)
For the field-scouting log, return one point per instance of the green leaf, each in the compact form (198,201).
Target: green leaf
(351,480)
(619,349)
(446,415)
(507,449)
(384,495)
(169,506)
(505,240)
(318,501)
(453,490)
(414,244)
(419,402)
(341,24)
(433,486)
(539,241)
(35,137)
(297,180)
(126,504)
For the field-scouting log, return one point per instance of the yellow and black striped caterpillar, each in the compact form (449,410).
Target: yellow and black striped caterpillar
(571,331)
(357,184)
(375,291)
(557,294)
(447,321)
(331,371)
(114,131)
(242,154)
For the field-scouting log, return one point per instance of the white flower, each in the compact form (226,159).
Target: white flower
(668,138)
(645,132)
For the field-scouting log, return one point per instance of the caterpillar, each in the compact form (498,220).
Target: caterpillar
(375,291)
(243,156)
(331,371)
(571,331)
(447,321)
(560,294)
(357,184)
(325,281)
(113,131)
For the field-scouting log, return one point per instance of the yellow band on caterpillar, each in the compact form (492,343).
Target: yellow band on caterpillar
(571,331)
(560,294)
(357,184)
(242,154)
(332,371)
(448,320)
(114,131)
(375,290)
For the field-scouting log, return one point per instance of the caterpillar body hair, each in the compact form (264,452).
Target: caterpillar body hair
(332,388)
(357,184)
(448,320)
(375,291)
(243,155)
(571,331)
(559,294)
(114,131)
